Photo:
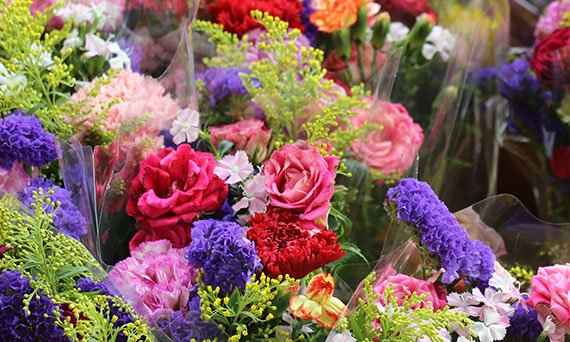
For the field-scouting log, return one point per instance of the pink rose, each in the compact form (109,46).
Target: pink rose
(405,285)
(394,148)
(550,292)
(171,189)
(298,178)
(159,275)
(250,136)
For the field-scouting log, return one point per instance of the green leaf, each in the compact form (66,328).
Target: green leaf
(224,147)
(68,272)
(234,298)
(354,249)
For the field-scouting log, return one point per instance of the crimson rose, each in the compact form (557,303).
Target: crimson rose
(170,190)
(560,162)
(547,56)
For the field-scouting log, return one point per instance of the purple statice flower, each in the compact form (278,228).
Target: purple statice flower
(524,322)
(22,137)
(526,96)
(485,76)
(188,326)
(123,317)
(223,82)
(15,324)
(134,51)
(67,219)
(417,205)
(227,258)
(311,30)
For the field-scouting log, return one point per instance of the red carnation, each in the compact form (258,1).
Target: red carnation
(406,11)
(235,15)
(286,248)
(560,162)
(548,58)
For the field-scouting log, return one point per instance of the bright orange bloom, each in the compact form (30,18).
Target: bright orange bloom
(319,304)
(335,15)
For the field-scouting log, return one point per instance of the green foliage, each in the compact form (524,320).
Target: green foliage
(249,315)
(231,50)
(30,53)
(53,262)
(399,322)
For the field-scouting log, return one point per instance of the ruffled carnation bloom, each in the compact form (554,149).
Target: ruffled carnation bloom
(40,324)
(550,288)
(299,179)
(405,285)
(160,276)
(68,219)
(12,181)
(235,16)
(169,192)
(227,258)
(139,95)
(23,138)
(551,19)
(249,135)
(335,15)
(394,148)
(284,247)
(414,202)
(319,303)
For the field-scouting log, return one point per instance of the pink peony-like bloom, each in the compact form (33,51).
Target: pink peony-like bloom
(11,182)
(159,275)
(478,230)
(298,178)
(170,190)
(139,95)
(405,285)
(551,291)
(550,21)
(394,148)
(250,135)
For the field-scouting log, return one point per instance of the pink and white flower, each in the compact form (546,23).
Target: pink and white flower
(234,168)
(186,126)
(255,196)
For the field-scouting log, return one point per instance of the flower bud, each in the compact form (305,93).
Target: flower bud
(420,31)
(342,44)
(358,30)
(380,30)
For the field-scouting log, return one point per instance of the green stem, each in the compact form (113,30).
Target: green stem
(361,64)
(374,72)
(349,72)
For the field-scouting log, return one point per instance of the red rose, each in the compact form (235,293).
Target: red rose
(178,235)
(406,11)
(171,189)
(235,15)
(547,56)
(284,247)
(560,162)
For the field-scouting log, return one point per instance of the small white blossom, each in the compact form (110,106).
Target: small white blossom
(11,83)
(254,195)
(73,40)
(234,168)
(398,32)
(186,126)
(491,329)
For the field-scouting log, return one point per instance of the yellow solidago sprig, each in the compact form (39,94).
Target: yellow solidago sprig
(35,73)
(251,315)
(38,250)
(231,50)
(399,323)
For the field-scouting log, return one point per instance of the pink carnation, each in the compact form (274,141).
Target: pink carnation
(159,275)
(551,19)
(12,181)
(138,95)
(250,136)
(405,285)
(394,148)
(551,291)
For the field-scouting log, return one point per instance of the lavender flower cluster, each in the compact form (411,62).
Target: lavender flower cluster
(38,324)
(227,258)
(23,138)
(223,82)
(189,326)
(417,205)
(68,219)
(524,322)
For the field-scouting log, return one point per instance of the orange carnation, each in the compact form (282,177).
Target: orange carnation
(335,15)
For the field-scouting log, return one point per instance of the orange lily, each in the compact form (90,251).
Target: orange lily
(319,303)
